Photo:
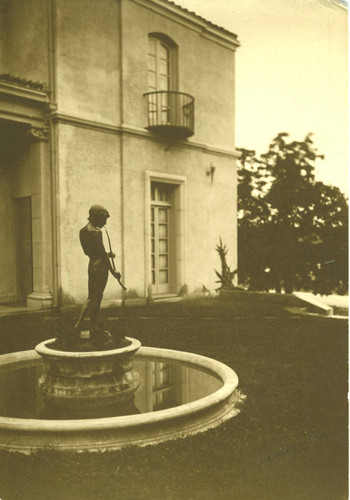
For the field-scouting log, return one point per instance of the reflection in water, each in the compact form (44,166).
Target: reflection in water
(163,385)
(49,413)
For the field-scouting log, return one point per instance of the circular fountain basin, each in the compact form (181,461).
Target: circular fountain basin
(180,394)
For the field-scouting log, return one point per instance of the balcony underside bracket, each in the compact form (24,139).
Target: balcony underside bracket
(169,145)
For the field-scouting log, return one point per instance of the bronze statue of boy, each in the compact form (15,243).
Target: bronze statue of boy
(99,267)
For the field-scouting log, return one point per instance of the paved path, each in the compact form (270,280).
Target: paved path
(329,300)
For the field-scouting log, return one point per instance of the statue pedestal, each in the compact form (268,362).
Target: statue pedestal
(89,384)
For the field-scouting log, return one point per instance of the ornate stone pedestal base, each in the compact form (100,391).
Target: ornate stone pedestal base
(88,384)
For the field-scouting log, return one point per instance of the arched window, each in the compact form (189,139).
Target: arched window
(162,75)
(162,64)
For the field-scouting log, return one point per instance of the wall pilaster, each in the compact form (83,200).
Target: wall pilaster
(3,9)
(41,219)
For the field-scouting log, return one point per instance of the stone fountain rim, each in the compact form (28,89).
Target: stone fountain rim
(223,372)
(44,350)
(27,435)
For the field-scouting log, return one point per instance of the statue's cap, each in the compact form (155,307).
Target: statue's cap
(98,210)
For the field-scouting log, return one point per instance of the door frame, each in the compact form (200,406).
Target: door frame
(20,266)
(179,213)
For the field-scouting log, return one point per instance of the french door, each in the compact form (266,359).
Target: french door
(161,239)
(159,80)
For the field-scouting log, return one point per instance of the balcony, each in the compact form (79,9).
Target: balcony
(170,114)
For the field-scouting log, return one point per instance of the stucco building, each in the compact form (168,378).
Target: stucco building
(125,103)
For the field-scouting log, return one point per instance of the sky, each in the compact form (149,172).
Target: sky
(291,74)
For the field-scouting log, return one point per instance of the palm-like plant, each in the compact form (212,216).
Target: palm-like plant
(226,276)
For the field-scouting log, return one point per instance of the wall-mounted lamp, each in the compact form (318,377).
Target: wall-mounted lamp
(211,171)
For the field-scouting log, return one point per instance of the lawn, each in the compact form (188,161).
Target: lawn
(288,443)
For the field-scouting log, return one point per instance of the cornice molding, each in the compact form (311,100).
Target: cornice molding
(23,105)
(192,21)
(136,131)
(19,92)
(23,82)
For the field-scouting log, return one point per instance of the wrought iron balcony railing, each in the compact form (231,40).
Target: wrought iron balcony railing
(170,114)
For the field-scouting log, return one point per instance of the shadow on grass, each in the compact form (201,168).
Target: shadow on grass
(288,443)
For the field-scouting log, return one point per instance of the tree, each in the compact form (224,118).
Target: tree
(292,230)
(331,253)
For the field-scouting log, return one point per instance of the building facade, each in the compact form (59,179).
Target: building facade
(125,103)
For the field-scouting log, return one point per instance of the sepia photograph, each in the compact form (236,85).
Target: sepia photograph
(174,249)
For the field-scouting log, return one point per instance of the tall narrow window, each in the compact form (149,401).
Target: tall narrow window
(161,237)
